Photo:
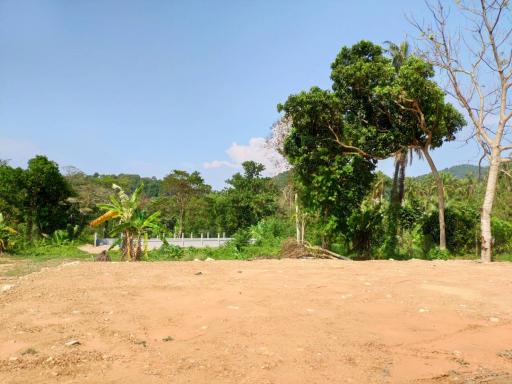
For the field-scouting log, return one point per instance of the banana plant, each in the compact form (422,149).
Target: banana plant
(132,222)
(139,226)
(5,234)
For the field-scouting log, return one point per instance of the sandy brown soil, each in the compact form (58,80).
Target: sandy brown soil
(269,321)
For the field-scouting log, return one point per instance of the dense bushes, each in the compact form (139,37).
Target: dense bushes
(461,228)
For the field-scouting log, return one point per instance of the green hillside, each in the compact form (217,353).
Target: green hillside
(463,170)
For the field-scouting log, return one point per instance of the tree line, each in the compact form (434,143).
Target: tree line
(40,200)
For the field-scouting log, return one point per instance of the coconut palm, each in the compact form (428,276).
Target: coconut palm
(399,54)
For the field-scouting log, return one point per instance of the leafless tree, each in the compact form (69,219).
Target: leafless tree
(477,61)
(275,141)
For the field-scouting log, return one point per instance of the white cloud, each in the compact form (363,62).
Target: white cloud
(257,150)
(219,164)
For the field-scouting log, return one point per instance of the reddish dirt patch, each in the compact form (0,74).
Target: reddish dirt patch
(268,321)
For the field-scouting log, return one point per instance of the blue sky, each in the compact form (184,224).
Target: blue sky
(150,86)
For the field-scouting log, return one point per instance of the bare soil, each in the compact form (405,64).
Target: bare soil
(268,321)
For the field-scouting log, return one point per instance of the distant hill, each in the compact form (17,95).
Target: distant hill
(457,171)
(463,170)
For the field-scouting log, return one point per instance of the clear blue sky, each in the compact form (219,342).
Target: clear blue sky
(150,86)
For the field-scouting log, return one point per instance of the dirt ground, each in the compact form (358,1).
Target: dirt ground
(261,322)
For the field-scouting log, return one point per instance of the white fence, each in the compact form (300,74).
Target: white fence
(194,242)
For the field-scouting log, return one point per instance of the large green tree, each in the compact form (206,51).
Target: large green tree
(47,192)
(249,197)
(182,187)
(330,183)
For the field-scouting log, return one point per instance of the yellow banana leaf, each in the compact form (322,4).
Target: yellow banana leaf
(106,216)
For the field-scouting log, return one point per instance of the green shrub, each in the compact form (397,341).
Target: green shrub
(438,254)
(241,239)
(270,229)
(165,252)
(461,227)
(502,234)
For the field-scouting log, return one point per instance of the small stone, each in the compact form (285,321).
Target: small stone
(71,343)
(423,310)
(6,287)
(209,259)
(67,264)
(233,307)
(198,273)
(13,358)
(494,319)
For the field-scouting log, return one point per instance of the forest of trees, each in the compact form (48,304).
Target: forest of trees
(354,222)
(40,200)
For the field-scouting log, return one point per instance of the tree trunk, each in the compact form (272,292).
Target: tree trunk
(394,187)
(181,218)
(128,250)
(30,227)
(401,179)
(485,215)
(440,193)
(297,220)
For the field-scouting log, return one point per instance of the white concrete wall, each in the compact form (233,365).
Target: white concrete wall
(195,242)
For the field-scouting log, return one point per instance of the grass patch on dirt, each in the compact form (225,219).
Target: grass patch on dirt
(33,259)
(51,252)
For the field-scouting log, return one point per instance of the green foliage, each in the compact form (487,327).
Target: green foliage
(357,73)
(132,223)
(241,239)
(461,227)
(7,234)
(438,254)
(319,163)
(46,194)
(365,230)
(37,196)
(249,198)
(43,250)
(502,234)
(166,252)
(183,189)
(270,230)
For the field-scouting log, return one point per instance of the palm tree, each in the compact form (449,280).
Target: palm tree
(5,233)
(399,54)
